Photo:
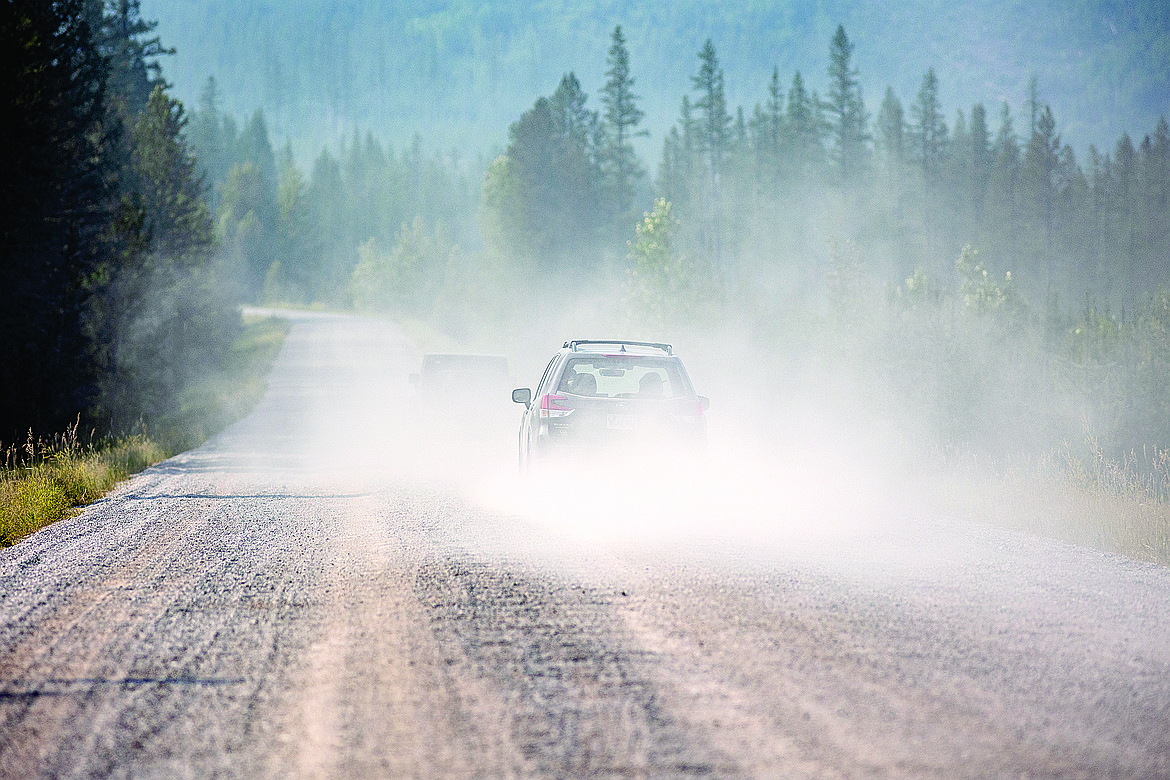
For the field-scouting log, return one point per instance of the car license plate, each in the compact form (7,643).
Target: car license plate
(623,422)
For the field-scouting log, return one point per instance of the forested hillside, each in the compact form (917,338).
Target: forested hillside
(461,71)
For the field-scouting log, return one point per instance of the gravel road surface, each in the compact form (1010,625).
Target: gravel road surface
(330,589)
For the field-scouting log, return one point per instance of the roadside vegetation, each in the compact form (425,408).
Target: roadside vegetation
(43,480)
(1115,505)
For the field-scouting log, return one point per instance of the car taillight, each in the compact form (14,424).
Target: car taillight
(690,409)
(550,406)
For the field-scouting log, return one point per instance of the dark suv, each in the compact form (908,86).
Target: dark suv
(602,395)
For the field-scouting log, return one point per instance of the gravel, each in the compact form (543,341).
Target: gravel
(329,589)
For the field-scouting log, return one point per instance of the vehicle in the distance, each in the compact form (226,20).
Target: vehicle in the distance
(599,396)
(461,401)
(444,377)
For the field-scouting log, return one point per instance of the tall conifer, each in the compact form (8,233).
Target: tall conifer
(715,123)
(804,125)
(928,128)
(846,108)
(622,117)
(55,206)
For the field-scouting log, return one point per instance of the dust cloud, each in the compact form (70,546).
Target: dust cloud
(820,425)
(783,461)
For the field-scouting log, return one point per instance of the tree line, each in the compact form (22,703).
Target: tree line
(110,293)
(297,238)
(914,188)
(755,195)
(881,234)
(133,229)
(458,68)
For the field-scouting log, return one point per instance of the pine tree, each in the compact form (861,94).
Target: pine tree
(579,163)
(1005,173)
(713,133)
(676,174)
(1033,105)
(956,166)
(552,155)
(1041,157)
(1153,201)
(622,117)
(361,200)
(534,150)
(846,109)
(715,125)
(571,119)
(329,218)
(804,126)
(770,132)
(207,137)
(246,227)
(160,319)
(55,208)
(254,146)
(891,144)
(167,178)
(739,132)
(981,159)
(928,130)
(1073,202)
(301,248)
(891,125)
(1122,206)
(1097,228)
(134,68)
(670,165)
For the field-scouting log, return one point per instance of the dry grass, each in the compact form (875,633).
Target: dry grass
(1121,506)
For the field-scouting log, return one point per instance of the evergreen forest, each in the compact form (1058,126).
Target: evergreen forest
(112,296)
(962,274)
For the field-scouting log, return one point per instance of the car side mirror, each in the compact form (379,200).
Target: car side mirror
(704,403)
(522,395)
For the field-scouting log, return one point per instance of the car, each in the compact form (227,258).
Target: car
(610,396)
(460,402)
(445,377)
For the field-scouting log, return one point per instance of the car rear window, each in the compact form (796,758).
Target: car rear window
(614,376)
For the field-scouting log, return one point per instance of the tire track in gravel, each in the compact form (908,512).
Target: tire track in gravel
(72,646)
(576,694)
(375,696)
(803,666)
(580,701)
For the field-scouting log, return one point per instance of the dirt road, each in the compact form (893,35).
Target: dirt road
(325,591)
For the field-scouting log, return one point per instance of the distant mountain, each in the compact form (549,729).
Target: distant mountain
(459,72)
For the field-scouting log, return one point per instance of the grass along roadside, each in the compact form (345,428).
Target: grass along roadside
(45,480)
(1089,499)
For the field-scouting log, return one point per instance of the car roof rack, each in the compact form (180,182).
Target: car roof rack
(618,343)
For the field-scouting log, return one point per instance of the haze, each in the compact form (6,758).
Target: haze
(908,243)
